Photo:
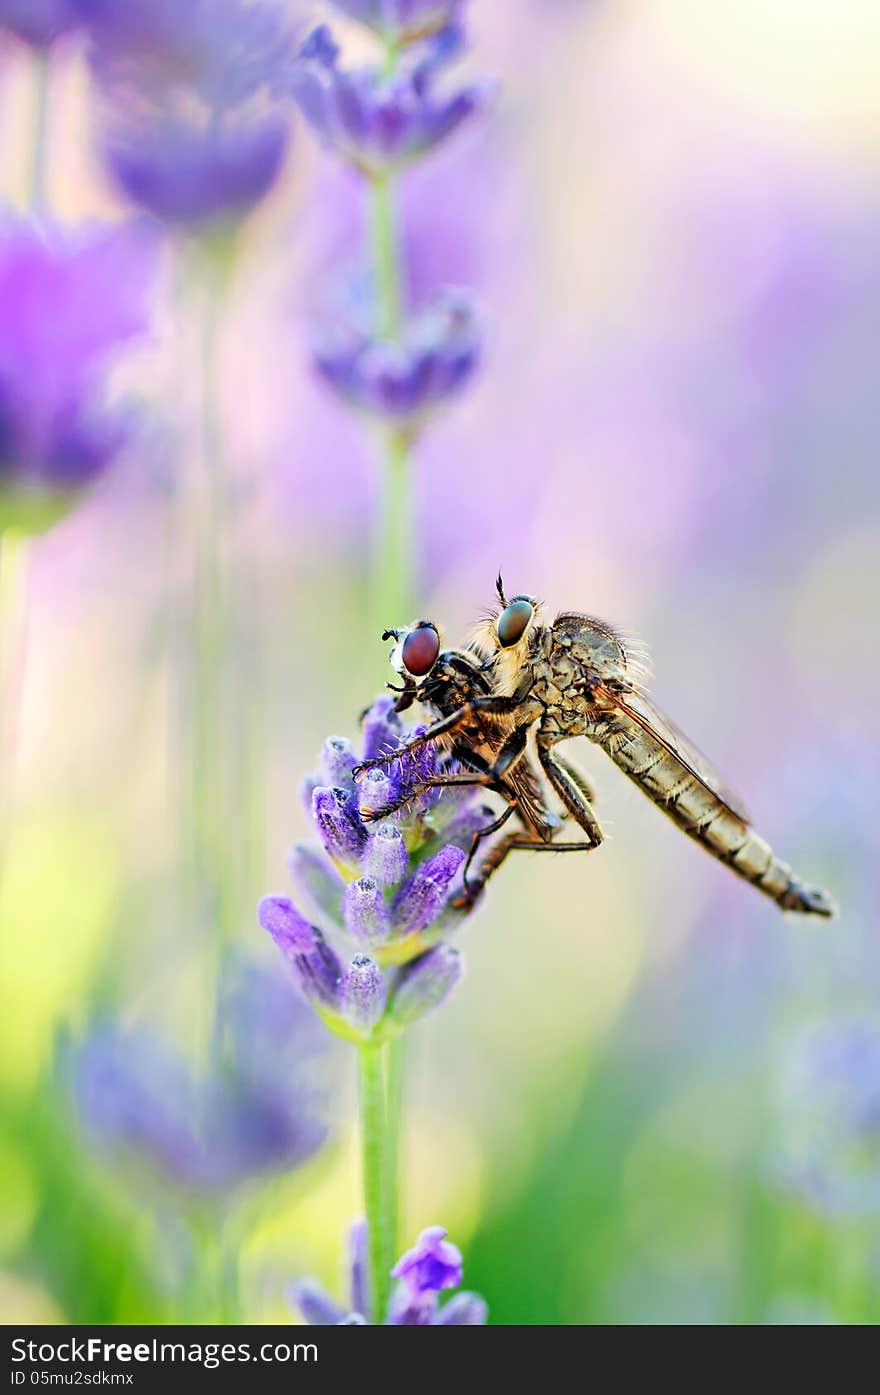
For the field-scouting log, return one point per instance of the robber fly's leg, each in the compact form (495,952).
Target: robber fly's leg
(578,776)
(476,773)
(497,856)
(415,743)
(477,839)
(572,790)
(495,706)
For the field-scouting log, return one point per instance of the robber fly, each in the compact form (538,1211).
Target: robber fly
(578,677)
(447,682)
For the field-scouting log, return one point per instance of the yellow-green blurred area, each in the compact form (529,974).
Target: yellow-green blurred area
(671,218)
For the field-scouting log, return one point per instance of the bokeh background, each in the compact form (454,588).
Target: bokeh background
(670,215)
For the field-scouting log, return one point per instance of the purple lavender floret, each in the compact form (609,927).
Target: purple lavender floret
(402,21)
(386,884)
(436,357)
(828,1120)
(260,1108)
(68,303)
(39,22)
(194,131)
(432,1265)
(375,120)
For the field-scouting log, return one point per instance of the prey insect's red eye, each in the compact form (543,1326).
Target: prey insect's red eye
(513,622)
(420,650)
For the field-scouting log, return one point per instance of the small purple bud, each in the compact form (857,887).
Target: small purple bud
(357,1249)
(464,1310)
(367,918)
(313,962)
(307,791)
(380,728)
(422,898)
(317,878)
(316,1306)
(337,821)
(423,984)
(385,857)
(410,1309)
(431,1265)
(338,760)
(361,995)
(466,821)
(291,931)
(376,790)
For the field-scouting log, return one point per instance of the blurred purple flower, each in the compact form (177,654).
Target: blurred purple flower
(376,120)
(39,22)
(392,884)
(435,358)
(431,1266)
(829,1117)
(67,303)
(260,1109)
(402,21)
(195,131)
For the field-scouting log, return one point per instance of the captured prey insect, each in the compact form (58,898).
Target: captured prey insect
(578,677)
(446,682)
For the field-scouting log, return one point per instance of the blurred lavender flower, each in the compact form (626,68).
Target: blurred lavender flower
(393,885)
(39,22)
(376,120)
(193,132)
(431,1266)
(402,21)
(435,357)
(67,304)
(829,1117)
(260,1109)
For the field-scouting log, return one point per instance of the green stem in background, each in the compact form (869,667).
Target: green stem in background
(379,1186)
(13,600)
(213,837)
(208,504)
(386,258)
(37,195)
(394,569)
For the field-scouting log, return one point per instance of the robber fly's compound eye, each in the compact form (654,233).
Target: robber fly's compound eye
(513,622)
(420,650)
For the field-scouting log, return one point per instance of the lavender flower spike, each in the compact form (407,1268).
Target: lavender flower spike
(392,884)
(375,121)
(402,21)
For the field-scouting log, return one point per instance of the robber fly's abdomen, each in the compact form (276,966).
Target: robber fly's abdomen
(705,817)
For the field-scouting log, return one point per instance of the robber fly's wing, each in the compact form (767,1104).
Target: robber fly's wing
(641,709)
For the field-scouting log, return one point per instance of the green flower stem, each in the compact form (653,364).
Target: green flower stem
(379,1184)
(395,1083)
(386,255)
(37,191)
